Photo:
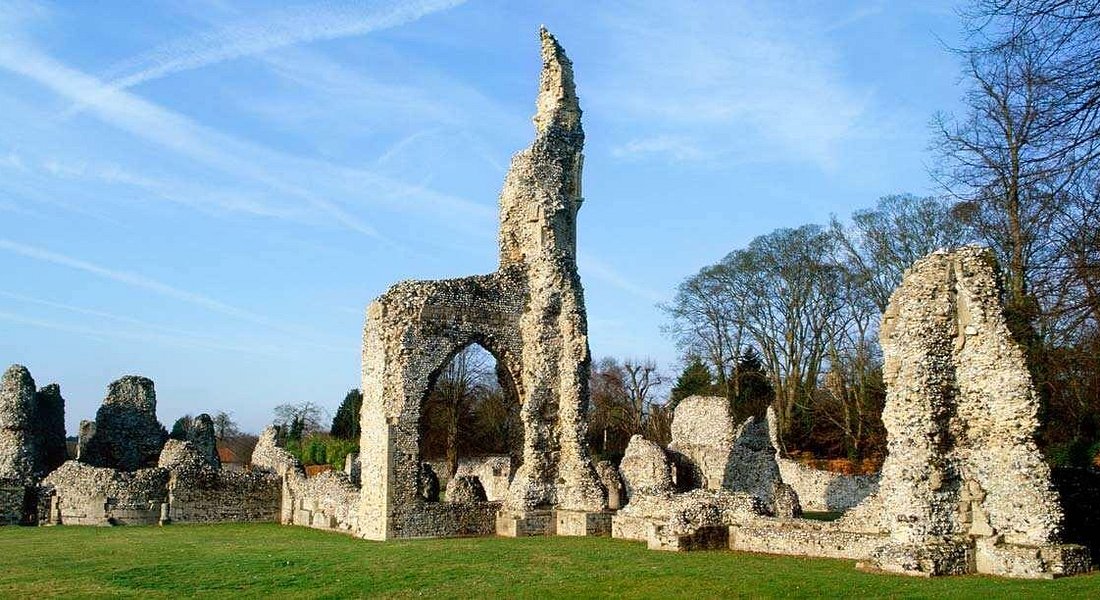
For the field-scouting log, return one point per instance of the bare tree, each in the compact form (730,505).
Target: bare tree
(786,286)
(882,242)
(623,398)
(306,416)
(706,322)
(470,375)
(224,425)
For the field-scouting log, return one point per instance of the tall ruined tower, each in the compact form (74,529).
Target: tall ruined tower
(530,315)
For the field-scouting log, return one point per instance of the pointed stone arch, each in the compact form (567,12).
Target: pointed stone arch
(530,314)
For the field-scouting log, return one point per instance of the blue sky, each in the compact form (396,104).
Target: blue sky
(209,193)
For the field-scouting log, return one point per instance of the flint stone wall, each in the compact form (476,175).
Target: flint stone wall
(645,469)
(49,428)
(817,489)
(961,415)
(714,454)
(32,441)
(18,446)
(88,495)
(529,314)
(328,500)
(127,435)
(963,488)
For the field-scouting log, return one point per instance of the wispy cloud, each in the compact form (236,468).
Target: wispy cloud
(130,279)
(674,148)
(269,31)
(116,333)
(734,77)
(591,265)
(149,121)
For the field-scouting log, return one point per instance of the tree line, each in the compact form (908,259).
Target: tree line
(1018,170)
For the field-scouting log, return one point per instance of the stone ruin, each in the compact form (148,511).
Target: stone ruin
(126,434)
(713,475)
(530,316)
(129,473)
(32,441)
(962,490)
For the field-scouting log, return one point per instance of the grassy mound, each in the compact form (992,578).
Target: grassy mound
(242,561)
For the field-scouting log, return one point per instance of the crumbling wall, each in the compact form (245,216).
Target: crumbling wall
(87,495)
(646,469)
(32,442)
(199,491)
(328,500)
(494,472)
(49,428)
(200,432)
(127,435)
(529,314)
(819,490)
(961,415)
(714,454)
(18,447)
(694,520)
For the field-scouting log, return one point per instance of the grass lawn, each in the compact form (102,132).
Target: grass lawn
(242,561)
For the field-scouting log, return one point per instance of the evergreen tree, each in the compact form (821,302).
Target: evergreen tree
(181,427)
(755,391)
(696,379)
(345,425)
(297,428)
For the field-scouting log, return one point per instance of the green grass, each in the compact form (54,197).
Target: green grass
(243,561)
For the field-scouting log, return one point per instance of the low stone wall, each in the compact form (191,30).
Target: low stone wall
(494,472)
(820,490)
(328,500)
(225,497)
(447,519)
(801,537)
(87,495)
(694,520)
(12,504)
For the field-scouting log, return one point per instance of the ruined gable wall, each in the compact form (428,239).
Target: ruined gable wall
(20,464)
(127,435)
(529,314)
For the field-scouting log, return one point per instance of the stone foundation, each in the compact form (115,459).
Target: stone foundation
(802,537)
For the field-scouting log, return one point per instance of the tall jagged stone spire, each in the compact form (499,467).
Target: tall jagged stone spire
(542,191)
(557,103)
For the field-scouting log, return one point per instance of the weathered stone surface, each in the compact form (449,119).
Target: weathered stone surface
(183,456)
(352,468)
(127,434)
(529,314)
(84,435)
(18,446)
(429,483)
(713,454)
(819,490)
(613,483)
(494,472)
(465,489)
(269,455)
(201,434)
(88,495)
(961,416)
(668,521)
(785,501)
(49,428)
(645,469)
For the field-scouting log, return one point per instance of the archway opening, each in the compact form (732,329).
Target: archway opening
(470,423)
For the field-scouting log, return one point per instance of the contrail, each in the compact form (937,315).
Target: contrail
(271,31)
